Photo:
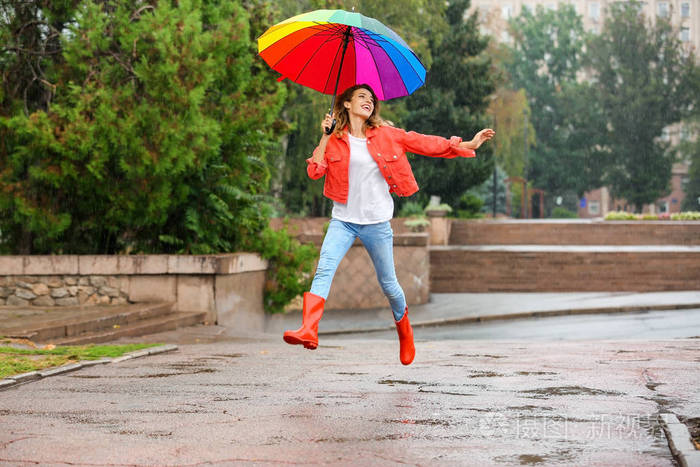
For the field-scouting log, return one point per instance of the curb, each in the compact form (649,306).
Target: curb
(518,315)
(16,380)
(678,438)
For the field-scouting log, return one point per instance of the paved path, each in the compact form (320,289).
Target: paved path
(258,401)
(471,307)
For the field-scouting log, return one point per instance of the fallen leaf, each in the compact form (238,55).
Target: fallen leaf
(48,347)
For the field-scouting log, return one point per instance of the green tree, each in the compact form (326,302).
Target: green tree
(690,151)
(453,102)
(642,78)
(154,139)
(513,123)
(546,60)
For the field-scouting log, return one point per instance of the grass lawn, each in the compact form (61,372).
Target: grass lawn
(14,361)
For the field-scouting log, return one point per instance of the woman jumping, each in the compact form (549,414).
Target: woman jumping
(364,161)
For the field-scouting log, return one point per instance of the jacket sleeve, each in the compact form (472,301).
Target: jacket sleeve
(435,146)
(316,170)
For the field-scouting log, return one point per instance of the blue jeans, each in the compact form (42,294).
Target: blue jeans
(379,242)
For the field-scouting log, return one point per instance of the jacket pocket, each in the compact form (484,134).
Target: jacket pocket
(397,164)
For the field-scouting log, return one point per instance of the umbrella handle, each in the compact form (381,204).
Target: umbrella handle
(330,130)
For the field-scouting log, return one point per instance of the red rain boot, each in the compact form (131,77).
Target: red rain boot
(307,334)
(408,351)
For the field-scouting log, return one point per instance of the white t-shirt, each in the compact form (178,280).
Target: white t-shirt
(369,201)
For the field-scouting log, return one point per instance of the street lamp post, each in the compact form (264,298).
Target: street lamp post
(527,202)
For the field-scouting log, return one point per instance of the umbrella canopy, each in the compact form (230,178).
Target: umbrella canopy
(327,50)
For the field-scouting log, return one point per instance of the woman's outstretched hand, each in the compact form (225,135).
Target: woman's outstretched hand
(479,139)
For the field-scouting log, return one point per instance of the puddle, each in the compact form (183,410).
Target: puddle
(543,393)
(390,437)
(426,422)
(484,374)
(477,355)
(529,407)
(166,375)
(451,392)
(559,456)
(392,382)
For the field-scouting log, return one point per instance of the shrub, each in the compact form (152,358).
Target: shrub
(469,206)
(417,224)
(290,267)
(620,216)
(438,207)
(686,216)
(411,209)
(563,213)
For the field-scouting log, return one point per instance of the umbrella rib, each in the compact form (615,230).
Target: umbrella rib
(379,38)
(329,73)
(322,31)
(375,64)
(312,57)
(364,38)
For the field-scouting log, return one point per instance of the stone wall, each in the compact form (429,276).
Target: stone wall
(226,286)
(62,290)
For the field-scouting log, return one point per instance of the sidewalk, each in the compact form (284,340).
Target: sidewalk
(474,307)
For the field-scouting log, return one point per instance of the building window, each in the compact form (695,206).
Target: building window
(685,34)
(685,10)
(685,179)
(594,11)
(550,6)
(662,9)
(505,37)
(506,11)
(528,8)
(663,207)
(665,134)
(594,208)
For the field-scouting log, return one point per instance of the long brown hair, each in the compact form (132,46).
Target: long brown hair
(342,117)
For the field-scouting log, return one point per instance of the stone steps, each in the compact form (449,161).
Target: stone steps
(139,328)
(83,325)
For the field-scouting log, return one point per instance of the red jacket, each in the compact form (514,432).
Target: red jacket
(387,145)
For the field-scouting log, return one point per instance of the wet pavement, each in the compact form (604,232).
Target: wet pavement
(258,401)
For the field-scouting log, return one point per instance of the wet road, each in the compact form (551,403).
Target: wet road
(351,403)
(642,325)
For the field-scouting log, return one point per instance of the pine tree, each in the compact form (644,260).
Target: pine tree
(453,102)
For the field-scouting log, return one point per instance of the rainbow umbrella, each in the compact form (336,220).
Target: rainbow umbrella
(330,49)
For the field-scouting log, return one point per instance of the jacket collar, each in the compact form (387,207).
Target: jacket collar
(369,133)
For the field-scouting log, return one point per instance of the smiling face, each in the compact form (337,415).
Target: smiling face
(361,103)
